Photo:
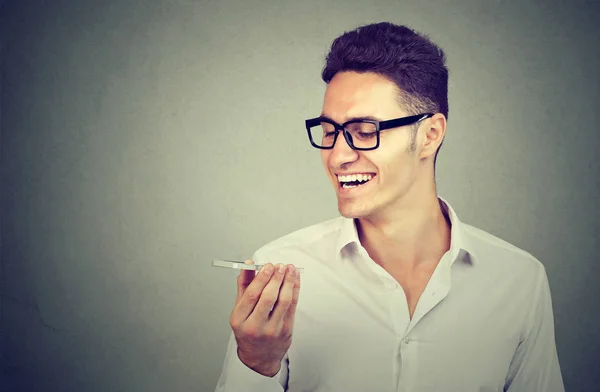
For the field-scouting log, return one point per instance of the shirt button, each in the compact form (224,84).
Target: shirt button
(406,340)
(392,286)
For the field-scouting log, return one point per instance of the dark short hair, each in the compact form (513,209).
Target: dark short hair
(414,63)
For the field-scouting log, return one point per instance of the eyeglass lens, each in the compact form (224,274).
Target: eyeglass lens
(363,134)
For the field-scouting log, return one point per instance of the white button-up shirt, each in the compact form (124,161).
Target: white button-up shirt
(483,323)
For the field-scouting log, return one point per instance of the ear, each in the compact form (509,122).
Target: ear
(433,135)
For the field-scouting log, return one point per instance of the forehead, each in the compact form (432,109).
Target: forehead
(351,94)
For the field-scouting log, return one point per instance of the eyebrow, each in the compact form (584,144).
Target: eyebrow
(371,118)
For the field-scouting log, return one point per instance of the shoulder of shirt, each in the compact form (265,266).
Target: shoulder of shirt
(492,249)
(507,262)
(303,236)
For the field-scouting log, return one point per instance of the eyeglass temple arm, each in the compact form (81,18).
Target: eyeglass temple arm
(403,121)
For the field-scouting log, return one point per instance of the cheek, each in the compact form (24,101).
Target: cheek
(395,168)
(325,158)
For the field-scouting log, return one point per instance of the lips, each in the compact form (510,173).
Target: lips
(355,182)
(352,184)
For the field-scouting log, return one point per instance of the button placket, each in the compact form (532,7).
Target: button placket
(398,306)
(408,364)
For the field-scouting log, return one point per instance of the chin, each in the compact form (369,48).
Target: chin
(353,212)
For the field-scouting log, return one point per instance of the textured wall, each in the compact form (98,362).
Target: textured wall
(142,139)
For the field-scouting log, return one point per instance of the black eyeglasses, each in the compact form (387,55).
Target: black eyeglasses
(360,133)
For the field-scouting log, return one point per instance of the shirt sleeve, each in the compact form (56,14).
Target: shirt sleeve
(236,376)
(535,366)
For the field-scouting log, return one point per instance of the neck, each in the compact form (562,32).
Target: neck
(413,234)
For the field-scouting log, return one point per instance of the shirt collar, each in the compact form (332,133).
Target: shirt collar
(347,238)
(459,239)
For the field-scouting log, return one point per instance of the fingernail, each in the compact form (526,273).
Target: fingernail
(268,269)
(280,268)
(291,270)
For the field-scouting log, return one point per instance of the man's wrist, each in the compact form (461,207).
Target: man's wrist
(267,370)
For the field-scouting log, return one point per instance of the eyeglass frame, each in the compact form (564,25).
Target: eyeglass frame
(379,126)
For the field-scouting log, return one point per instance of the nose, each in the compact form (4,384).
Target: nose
(341,154)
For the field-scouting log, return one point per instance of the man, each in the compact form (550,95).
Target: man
(397,294)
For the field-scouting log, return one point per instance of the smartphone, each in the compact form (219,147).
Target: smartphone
(240,265)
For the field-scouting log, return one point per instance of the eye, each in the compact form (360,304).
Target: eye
(365,135)
(329,130)
(362,130)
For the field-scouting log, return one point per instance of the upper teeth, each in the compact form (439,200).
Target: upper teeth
(355,177)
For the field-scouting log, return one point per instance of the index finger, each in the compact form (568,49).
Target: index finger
(244,279)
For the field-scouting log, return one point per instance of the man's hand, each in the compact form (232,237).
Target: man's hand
(263,316)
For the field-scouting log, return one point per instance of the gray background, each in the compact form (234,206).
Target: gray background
(142,139)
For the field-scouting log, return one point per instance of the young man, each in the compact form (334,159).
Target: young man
(397,294)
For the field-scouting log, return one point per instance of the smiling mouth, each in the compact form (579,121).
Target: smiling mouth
(354,181)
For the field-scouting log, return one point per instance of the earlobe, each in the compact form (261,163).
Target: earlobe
(433,136)
(427,148)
